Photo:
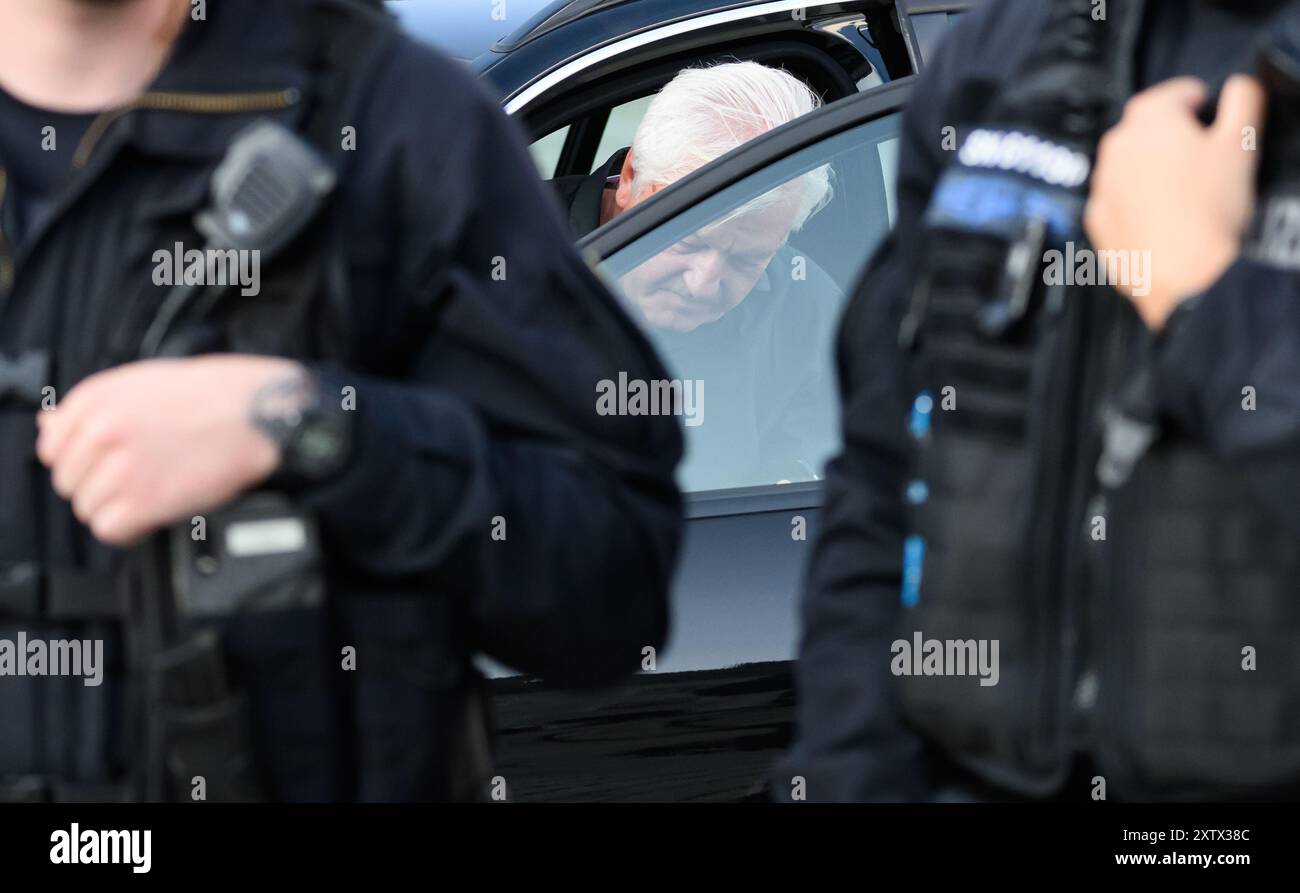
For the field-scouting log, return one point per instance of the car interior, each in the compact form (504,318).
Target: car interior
(578,130)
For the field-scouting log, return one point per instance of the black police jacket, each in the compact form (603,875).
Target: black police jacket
(853,739)
(476,338)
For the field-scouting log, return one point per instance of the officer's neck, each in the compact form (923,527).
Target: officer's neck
(84,55)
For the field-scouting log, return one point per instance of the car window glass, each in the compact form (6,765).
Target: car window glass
(929,29)
(888,149)
(621,127)
(546,152)
(743,305)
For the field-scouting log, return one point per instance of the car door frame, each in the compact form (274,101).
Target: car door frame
(909,8)
(711,179)
(522,98)
(591,103)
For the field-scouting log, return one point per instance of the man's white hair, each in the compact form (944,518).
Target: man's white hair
(704,113)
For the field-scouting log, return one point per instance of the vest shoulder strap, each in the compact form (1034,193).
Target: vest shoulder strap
(343,45)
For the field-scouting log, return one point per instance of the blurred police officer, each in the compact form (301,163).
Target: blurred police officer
(279,281)
(1070,425)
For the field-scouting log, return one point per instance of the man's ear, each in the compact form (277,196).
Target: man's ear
(624,197)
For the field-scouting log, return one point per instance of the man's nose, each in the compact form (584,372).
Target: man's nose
(703,277)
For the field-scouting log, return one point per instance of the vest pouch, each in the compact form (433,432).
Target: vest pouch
(201,735)
(972,506)
(254,583)
(1200,698)
(207,746)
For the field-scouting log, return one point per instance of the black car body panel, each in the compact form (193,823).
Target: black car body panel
(681,24)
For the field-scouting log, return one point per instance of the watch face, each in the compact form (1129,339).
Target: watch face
(313,437)
(319,448)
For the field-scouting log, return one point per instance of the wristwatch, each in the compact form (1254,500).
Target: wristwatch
(314,433)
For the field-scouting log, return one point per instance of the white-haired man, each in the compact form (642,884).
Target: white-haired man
(722,303)
(702,114)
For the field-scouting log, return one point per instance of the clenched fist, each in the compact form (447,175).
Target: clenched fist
(1167,184)
(144,446)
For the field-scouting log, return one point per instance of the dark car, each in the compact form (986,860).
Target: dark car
(718,705)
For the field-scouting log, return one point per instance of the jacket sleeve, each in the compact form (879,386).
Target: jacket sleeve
(1228,370)
(482,469)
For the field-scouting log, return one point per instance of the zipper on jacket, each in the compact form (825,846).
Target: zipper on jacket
(1095,569)
(1103,349)
(198,103)
(1053,524)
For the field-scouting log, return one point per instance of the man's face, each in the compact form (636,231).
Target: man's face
(707,274)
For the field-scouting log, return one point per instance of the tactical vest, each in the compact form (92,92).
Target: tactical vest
(1119,565)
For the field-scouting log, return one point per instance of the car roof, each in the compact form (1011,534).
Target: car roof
(466,28)
(559,13)
(576,30)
